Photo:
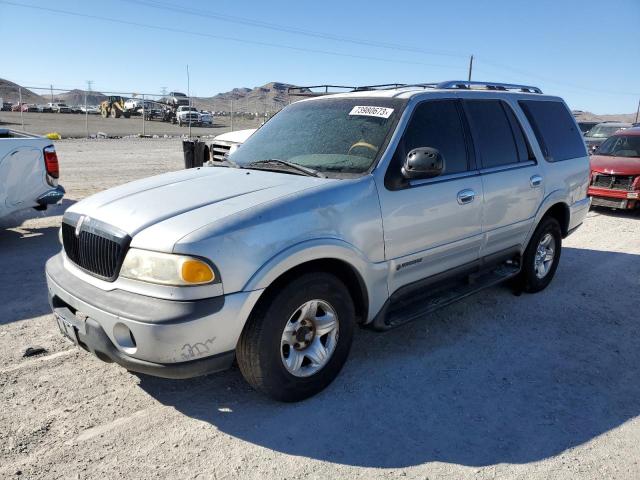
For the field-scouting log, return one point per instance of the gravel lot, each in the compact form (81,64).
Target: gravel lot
(542,386)
(71,125)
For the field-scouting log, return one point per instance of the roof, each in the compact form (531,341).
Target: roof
(635,131)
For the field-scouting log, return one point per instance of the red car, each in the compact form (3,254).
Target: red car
(615,171)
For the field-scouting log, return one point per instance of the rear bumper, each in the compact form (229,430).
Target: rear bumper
(166,338)
(51,197)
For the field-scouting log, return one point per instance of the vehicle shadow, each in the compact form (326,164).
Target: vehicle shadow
(619,213)
(24,250)
(493,379)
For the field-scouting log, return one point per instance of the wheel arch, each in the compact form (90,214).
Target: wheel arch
(366,281)
(561,212)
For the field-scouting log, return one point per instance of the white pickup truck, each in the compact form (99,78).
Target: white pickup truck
(29,172)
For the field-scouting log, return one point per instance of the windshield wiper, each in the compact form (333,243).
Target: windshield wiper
(306,170)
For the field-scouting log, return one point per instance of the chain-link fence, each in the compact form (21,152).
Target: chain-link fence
(84,113)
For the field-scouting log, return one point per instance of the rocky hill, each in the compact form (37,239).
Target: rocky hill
(9,92)
(76,97)
(270,97)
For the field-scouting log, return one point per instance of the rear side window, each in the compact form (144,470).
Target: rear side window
(437,124)
(492,133)
(555,129)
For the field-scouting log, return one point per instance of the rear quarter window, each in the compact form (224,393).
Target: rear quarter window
(558,135)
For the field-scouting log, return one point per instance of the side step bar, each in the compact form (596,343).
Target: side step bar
(413,306)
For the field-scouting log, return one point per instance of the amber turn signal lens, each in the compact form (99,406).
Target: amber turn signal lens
(195,271)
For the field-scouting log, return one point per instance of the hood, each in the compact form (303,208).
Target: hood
(239,136)
(202,196)
(615,165)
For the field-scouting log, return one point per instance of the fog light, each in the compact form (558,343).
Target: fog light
(124,338)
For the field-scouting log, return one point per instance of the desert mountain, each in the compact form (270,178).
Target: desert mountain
(76,97)
(9,92)
(270,97)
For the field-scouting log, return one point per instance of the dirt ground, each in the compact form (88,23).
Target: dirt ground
(543,386)
(70,125)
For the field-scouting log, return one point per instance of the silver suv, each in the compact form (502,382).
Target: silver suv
(372,208)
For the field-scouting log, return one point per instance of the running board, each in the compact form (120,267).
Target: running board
(410,307)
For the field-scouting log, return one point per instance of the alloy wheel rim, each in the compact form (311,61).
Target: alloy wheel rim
(545,254)
(309,338)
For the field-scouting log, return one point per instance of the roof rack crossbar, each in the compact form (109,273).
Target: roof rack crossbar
(464,84)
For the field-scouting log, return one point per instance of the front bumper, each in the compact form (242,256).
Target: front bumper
(605,197)
(166,338)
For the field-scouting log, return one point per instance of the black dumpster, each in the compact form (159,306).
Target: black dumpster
(188,149)
(195,153)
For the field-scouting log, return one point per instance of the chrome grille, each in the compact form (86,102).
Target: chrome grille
(218,150)
(612,182)
(98,249)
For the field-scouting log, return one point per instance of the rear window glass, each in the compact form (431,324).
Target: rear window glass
(556,131)
(492,133)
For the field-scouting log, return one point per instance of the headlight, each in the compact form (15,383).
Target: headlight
(166,268)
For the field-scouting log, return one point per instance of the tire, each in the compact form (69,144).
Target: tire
(262,349)
(536,277)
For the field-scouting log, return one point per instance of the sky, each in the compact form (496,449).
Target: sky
(586,51)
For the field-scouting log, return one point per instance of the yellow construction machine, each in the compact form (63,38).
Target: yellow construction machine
(114,107)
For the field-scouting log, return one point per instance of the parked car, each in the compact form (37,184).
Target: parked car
(601,132)
(90,109)
(44,109)
(59,107)
(17,107)
(177,99)
(135,104)
(615,171)
(586,126)
(186,115)
(29,172)
(227,143)
(206,119)
(6,106)
(366,208)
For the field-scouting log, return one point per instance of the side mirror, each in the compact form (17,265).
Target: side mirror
(423,162)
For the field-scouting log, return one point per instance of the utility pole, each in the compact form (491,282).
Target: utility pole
(470,67)
(189,95)
(51,87)
(232,113)
(637,111)
(86,111)
(20,106)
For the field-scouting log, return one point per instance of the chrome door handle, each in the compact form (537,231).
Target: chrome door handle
(535,181)
(466,196)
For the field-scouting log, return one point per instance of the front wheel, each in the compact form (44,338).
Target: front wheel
(296,342)
(542,256)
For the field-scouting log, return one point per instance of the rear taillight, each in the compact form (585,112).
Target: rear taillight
(51,161)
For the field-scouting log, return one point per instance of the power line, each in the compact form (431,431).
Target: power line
(221,37)
(288,29)
(310,33)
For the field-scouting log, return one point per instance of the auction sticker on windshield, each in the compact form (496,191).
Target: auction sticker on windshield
(370,111)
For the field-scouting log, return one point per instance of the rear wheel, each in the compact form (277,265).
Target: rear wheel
(542,256)
(295,344)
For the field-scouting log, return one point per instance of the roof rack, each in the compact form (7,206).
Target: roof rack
(331,89)
(449,84)
(466,85)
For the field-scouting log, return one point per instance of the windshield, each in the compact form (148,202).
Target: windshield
(621,146)
(603,131)
(329,135)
